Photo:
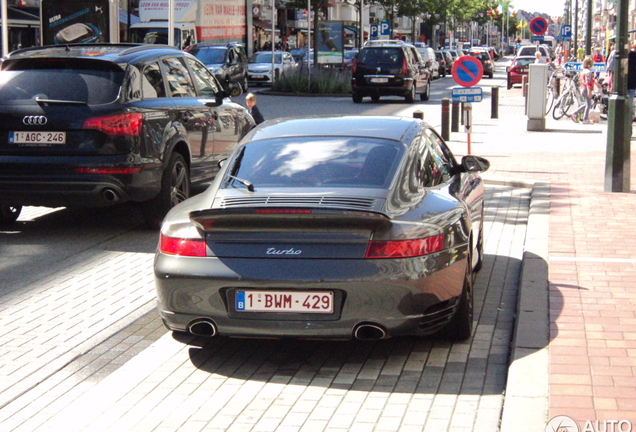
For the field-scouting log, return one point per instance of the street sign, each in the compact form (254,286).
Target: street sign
(538,26)
(373,31)
(566,31)
(578,66)
(385,28)
(467,71)
(467,94)
(536,38)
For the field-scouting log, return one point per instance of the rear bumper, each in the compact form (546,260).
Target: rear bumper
(401,296)
(367,90)
(56,184)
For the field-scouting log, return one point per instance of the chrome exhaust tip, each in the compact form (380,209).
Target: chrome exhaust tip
(202,327)
(369,332)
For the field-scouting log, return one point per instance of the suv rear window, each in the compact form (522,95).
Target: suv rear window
(59,80)
(381,56)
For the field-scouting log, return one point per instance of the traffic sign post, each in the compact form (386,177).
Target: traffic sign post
(538,26)
(467,71)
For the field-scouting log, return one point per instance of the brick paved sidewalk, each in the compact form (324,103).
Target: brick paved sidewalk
(592,259)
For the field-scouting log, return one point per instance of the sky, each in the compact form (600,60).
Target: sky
(551,7)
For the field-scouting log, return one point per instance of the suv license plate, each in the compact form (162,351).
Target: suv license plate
(285,301)
(379,80)
(37,138)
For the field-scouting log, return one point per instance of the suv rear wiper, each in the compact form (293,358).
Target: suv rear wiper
(47,102)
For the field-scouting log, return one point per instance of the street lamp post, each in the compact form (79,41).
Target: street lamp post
(619,125)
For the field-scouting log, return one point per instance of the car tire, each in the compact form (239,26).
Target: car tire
(427,93)
(509,84)
(410,97)
(175,188)
(480,248)
(9,214)
(490,75)
(356,98)
(375,98)
(460,326)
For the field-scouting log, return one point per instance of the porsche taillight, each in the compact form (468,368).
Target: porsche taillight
(181,247)
(405,248)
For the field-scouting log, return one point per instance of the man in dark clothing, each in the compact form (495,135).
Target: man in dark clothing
(250,101)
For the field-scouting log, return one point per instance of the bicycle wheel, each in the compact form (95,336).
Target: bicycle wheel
(567,103)
(549,100)
(557,112)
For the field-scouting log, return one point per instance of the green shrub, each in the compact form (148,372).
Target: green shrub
(322,81)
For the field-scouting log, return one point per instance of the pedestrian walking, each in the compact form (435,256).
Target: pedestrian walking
(250,101)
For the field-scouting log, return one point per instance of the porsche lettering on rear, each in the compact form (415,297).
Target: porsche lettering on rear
(292,251)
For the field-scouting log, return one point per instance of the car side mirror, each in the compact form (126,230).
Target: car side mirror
(472,163)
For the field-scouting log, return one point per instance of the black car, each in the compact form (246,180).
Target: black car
(328,227)
(100,124)
(389,68)
(227,62)
(485,59)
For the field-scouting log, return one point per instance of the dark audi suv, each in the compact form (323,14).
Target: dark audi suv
(101,124)
(389,68)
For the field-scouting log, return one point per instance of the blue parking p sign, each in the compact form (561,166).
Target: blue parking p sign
(385,28)
(374,31)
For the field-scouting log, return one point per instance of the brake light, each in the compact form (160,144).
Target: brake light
(182,247)
(405,67)
(107,170)
(405,248)
(116,125)
(354,66)
(282,211)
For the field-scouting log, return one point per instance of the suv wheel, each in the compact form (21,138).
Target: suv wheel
(427,93)
(175,188)
(356,98)
(410,97)
(9,214)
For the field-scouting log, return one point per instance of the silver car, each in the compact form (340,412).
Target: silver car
(259,67)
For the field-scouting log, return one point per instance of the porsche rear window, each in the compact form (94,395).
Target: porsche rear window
(59,81)
(318,162)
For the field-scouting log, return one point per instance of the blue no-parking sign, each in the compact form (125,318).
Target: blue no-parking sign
(467,71)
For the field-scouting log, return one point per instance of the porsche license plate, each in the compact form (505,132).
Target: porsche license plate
(285,301)
(37,138)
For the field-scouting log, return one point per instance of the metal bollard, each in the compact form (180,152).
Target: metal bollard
(418,114)
(455,117)
(445,119)
(494,103)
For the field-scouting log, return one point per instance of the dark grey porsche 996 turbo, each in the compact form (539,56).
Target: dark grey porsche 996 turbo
(339,227)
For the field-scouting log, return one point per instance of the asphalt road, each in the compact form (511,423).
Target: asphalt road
(83,348)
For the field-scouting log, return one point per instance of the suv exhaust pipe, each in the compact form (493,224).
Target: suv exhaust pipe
(110,195)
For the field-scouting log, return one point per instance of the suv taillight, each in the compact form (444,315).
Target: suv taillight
(405,67)
(354,66)
(116,125)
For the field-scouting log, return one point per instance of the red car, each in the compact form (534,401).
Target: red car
(517,68)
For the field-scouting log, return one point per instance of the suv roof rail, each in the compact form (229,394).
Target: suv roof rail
(384,42)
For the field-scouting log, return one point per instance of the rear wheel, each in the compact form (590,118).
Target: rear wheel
(9,214)
(461,325)
(175,188)
(375,98)
(356,98)
(427,93)
(410,97)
